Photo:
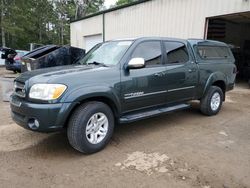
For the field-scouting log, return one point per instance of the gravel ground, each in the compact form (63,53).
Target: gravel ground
(182,149)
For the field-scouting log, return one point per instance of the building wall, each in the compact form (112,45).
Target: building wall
(171,18)
(87,27)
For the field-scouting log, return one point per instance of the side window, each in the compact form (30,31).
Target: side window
(176,52)
(150,52)
(211,52)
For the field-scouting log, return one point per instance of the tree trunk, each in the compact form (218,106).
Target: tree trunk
(40,33)
(76,12)
(62,32)
(2,27)
(3,38)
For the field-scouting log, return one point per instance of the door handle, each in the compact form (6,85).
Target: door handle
(191,70)
(158,74)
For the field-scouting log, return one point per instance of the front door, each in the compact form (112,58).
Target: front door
(145,87)
(182,72)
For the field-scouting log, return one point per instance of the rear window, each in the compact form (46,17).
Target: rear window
(213,52)
(176,52)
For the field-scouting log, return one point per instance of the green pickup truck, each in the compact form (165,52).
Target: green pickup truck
(121,81)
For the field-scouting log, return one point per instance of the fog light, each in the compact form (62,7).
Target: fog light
(33,123)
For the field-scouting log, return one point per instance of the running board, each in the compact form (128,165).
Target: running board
(151,113)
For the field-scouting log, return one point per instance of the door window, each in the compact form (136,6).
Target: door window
(150,51)
(176,52)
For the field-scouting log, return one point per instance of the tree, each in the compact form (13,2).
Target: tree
(24,21)
(123,2)
(40,21)
(67,9)
(85,7)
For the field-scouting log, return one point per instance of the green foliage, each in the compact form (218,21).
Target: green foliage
(40,21)
(123,2)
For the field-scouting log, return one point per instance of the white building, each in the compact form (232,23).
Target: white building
(224,20)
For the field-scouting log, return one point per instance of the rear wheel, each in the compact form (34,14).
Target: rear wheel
(90,127)
(211,103)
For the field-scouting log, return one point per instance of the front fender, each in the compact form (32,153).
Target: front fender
(85,92)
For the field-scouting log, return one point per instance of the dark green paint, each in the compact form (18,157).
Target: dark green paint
(111,84)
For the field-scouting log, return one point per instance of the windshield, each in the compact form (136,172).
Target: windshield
(108,53)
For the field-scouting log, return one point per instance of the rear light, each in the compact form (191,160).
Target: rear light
(17,58)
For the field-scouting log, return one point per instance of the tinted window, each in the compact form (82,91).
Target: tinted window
(209,52)
(150,52)
(176,52)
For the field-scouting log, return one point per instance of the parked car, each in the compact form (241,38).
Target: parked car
(13,59)
(122,81)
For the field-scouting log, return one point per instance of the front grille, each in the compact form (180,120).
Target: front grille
(19,89)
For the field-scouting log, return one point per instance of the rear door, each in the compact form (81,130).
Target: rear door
(145,87)
(182,72)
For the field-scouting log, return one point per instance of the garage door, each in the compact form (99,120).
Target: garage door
(91,41)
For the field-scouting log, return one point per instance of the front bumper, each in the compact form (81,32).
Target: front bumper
(51,117)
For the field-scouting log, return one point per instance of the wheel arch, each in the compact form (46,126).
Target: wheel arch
(222,85)
(100,98)
(216,79)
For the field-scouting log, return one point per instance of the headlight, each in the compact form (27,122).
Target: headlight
(47,91)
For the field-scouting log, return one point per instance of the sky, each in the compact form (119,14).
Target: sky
(107,3)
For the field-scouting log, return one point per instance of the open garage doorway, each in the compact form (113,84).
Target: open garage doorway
(233,29)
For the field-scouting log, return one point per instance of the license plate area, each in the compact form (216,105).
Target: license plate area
(28,66)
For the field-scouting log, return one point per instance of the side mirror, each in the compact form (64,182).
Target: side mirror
(136,63)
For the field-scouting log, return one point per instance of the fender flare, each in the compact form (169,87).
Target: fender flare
(214,77)
(87,92)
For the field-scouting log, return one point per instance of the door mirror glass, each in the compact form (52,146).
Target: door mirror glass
(136,63)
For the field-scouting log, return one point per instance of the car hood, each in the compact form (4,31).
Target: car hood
(47,74)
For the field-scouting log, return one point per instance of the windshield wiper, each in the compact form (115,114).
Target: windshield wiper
(97,63)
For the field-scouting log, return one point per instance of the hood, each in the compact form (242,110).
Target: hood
(46,74)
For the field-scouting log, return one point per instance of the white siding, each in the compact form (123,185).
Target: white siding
(87,27)
(170,18)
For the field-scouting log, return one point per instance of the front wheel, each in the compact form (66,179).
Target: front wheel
(211,103)
(90,127)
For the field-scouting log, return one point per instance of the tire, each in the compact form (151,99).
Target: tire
(86,122)
(208,107)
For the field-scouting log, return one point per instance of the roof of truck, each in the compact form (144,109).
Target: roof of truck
(150,38)
(206,42)
(191,41)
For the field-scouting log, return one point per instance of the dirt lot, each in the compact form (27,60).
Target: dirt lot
(183,149)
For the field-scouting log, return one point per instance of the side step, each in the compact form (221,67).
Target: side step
(151,113)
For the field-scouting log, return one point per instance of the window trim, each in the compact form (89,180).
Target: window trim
(166,57)
(151,40)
